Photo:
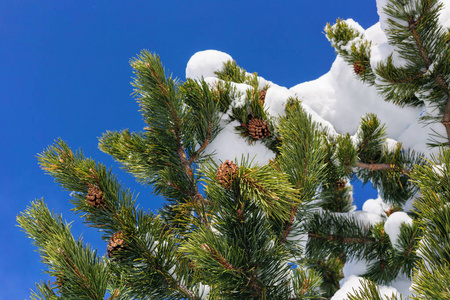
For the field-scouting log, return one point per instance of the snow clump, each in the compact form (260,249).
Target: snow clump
(393,224)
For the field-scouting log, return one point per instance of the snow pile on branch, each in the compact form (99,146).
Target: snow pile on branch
(352,283)
(337,100)
(393,224)
(338,97)
(205,63)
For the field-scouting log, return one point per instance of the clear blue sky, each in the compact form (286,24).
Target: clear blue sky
(64,72)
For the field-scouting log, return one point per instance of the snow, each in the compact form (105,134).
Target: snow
(381,4)
(354,283)
(376,206)
(393,224)
(204,63)
(230,145)
(390,144)
(381,49)
(342,99)
(355,25)
(354,268)
(275,101)
(444,17)
(204,290)
(403,285)
(366,218)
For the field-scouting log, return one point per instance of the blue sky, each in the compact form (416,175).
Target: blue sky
(64,72)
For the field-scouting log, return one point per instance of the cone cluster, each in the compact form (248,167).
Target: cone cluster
(115,244)
(59,281)
(340,184)
(262,96)
(226,173)
(392,210)
(95,197)
(358,67)
(258,128)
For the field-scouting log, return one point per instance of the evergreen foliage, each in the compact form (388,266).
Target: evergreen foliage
(283,230)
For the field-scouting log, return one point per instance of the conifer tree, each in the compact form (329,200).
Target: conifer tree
(241,236)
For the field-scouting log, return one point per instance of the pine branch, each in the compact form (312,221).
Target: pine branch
(387,168)
(252,280)
(181,151)
(288,224)
(405,251)
(382,268)
(382,167)
(247,261)
(339,238)
(203,146)
(438,78)
(79,272)
(431,282)
(232,72)
(370,291)
(44,292)
(115,209)
(420,39)
(151,263)
(175,129)
(264,186)
(351,45)
(170,281)
(302,152)
(336,234)
(119,212)
(306,284)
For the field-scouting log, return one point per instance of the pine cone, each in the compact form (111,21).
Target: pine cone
(226,173)
(258,128)
(340,184)
(95,198)
(358,67)
(116,243)
(59,280)
(392,210)
(262,97)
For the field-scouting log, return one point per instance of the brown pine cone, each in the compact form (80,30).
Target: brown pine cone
(116,243)
(258,128)
(358,67)
(95,197)
(262,97)
(226,173)
(340,184)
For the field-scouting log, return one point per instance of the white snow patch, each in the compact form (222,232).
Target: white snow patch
(444,17)
(403,285)
(354,283)
(342,99)
(437,169)
(204,290)
(381,4)
(364,217)
(354,267)
(230,145)
(390,144)
(416,136)
(275,101)
(205,63)
(393,224)
(355,25)
(376,206)
(367,218)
